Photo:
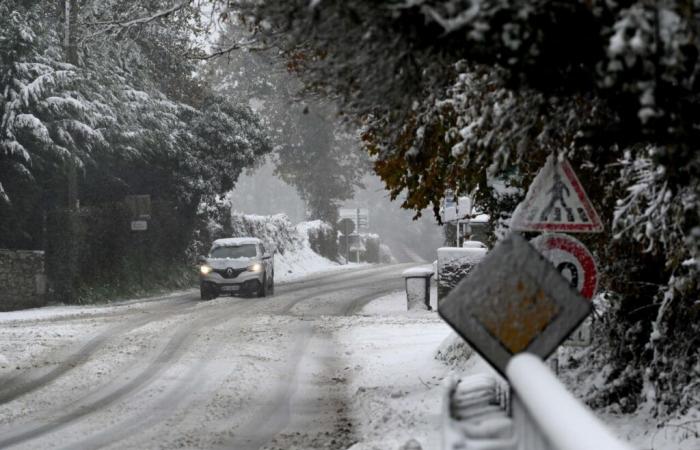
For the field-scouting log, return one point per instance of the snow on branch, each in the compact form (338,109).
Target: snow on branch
(222,51)
(112,25)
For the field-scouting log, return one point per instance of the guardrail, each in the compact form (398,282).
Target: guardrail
(547,416)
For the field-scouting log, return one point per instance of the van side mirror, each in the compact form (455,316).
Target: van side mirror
(201,259)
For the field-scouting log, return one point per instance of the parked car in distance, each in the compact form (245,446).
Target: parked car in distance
(237,266)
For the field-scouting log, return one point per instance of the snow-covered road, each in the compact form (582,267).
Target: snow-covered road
(175,372)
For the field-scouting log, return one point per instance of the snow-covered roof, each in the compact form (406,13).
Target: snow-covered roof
(232,242)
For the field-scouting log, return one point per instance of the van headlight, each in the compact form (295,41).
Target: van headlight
(205,270)
(257,267)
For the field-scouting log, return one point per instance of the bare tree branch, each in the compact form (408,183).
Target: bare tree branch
(112,25)
(222,51)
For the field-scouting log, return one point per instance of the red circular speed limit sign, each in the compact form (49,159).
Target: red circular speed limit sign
(572,259)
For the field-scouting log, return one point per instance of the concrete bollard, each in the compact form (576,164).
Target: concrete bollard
(418,288)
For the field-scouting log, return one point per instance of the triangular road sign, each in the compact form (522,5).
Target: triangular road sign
(556,201)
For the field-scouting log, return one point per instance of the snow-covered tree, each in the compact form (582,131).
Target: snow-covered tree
(128,117)
(322,162)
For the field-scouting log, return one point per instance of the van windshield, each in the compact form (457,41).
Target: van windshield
(234,251)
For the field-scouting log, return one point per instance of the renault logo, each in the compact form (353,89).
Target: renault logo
(229,272)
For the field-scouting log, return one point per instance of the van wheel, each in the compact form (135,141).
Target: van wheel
(262,290)
(205,293)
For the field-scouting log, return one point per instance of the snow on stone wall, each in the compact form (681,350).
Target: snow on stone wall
(22,279)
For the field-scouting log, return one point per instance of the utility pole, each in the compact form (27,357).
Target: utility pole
(61,234)
(347,242)
(357,253)
(70,32)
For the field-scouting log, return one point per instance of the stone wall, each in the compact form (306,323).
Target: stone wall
(22,279)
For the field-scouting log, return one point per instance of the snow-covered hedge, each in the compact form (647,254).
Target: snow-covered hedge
(301,249)
(277,231)
(322,237)
(455,263)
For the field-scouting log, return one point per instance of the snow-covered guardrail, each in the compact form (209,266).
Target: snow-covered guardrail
(547,416)
(542,414)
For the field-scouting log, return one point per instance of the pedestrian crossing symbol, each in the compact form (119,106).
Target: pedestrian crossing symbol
(556,201)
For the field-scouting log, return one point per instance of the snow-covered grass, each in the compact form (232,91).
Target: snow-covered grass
(77,311)
(386,372)
(400,359)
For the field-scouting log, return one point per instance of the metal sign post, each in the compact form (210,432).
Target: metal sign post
(140,206)
(359,216)
(347,226)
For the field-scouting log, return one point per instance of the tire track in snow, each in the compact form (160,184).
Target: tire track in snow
(26,381)
(174,348)
(97,401)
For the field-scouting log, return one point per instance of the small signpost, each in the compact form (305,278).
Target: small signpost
(514,301)
(140,206)
(556,201)
(346,226)
(359,216)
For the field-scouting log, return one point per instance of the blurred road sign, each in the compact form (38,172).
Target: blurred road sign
(360,216)
(455,209)
(514,301)
(139,225)
(556,201)
(346,226)
(572,259)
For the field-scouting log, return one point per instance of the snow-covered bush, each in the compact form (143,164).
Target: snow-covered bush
(277,232)
(372,248)
(126,117)
(454,351)
(385,255)
(322,238)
